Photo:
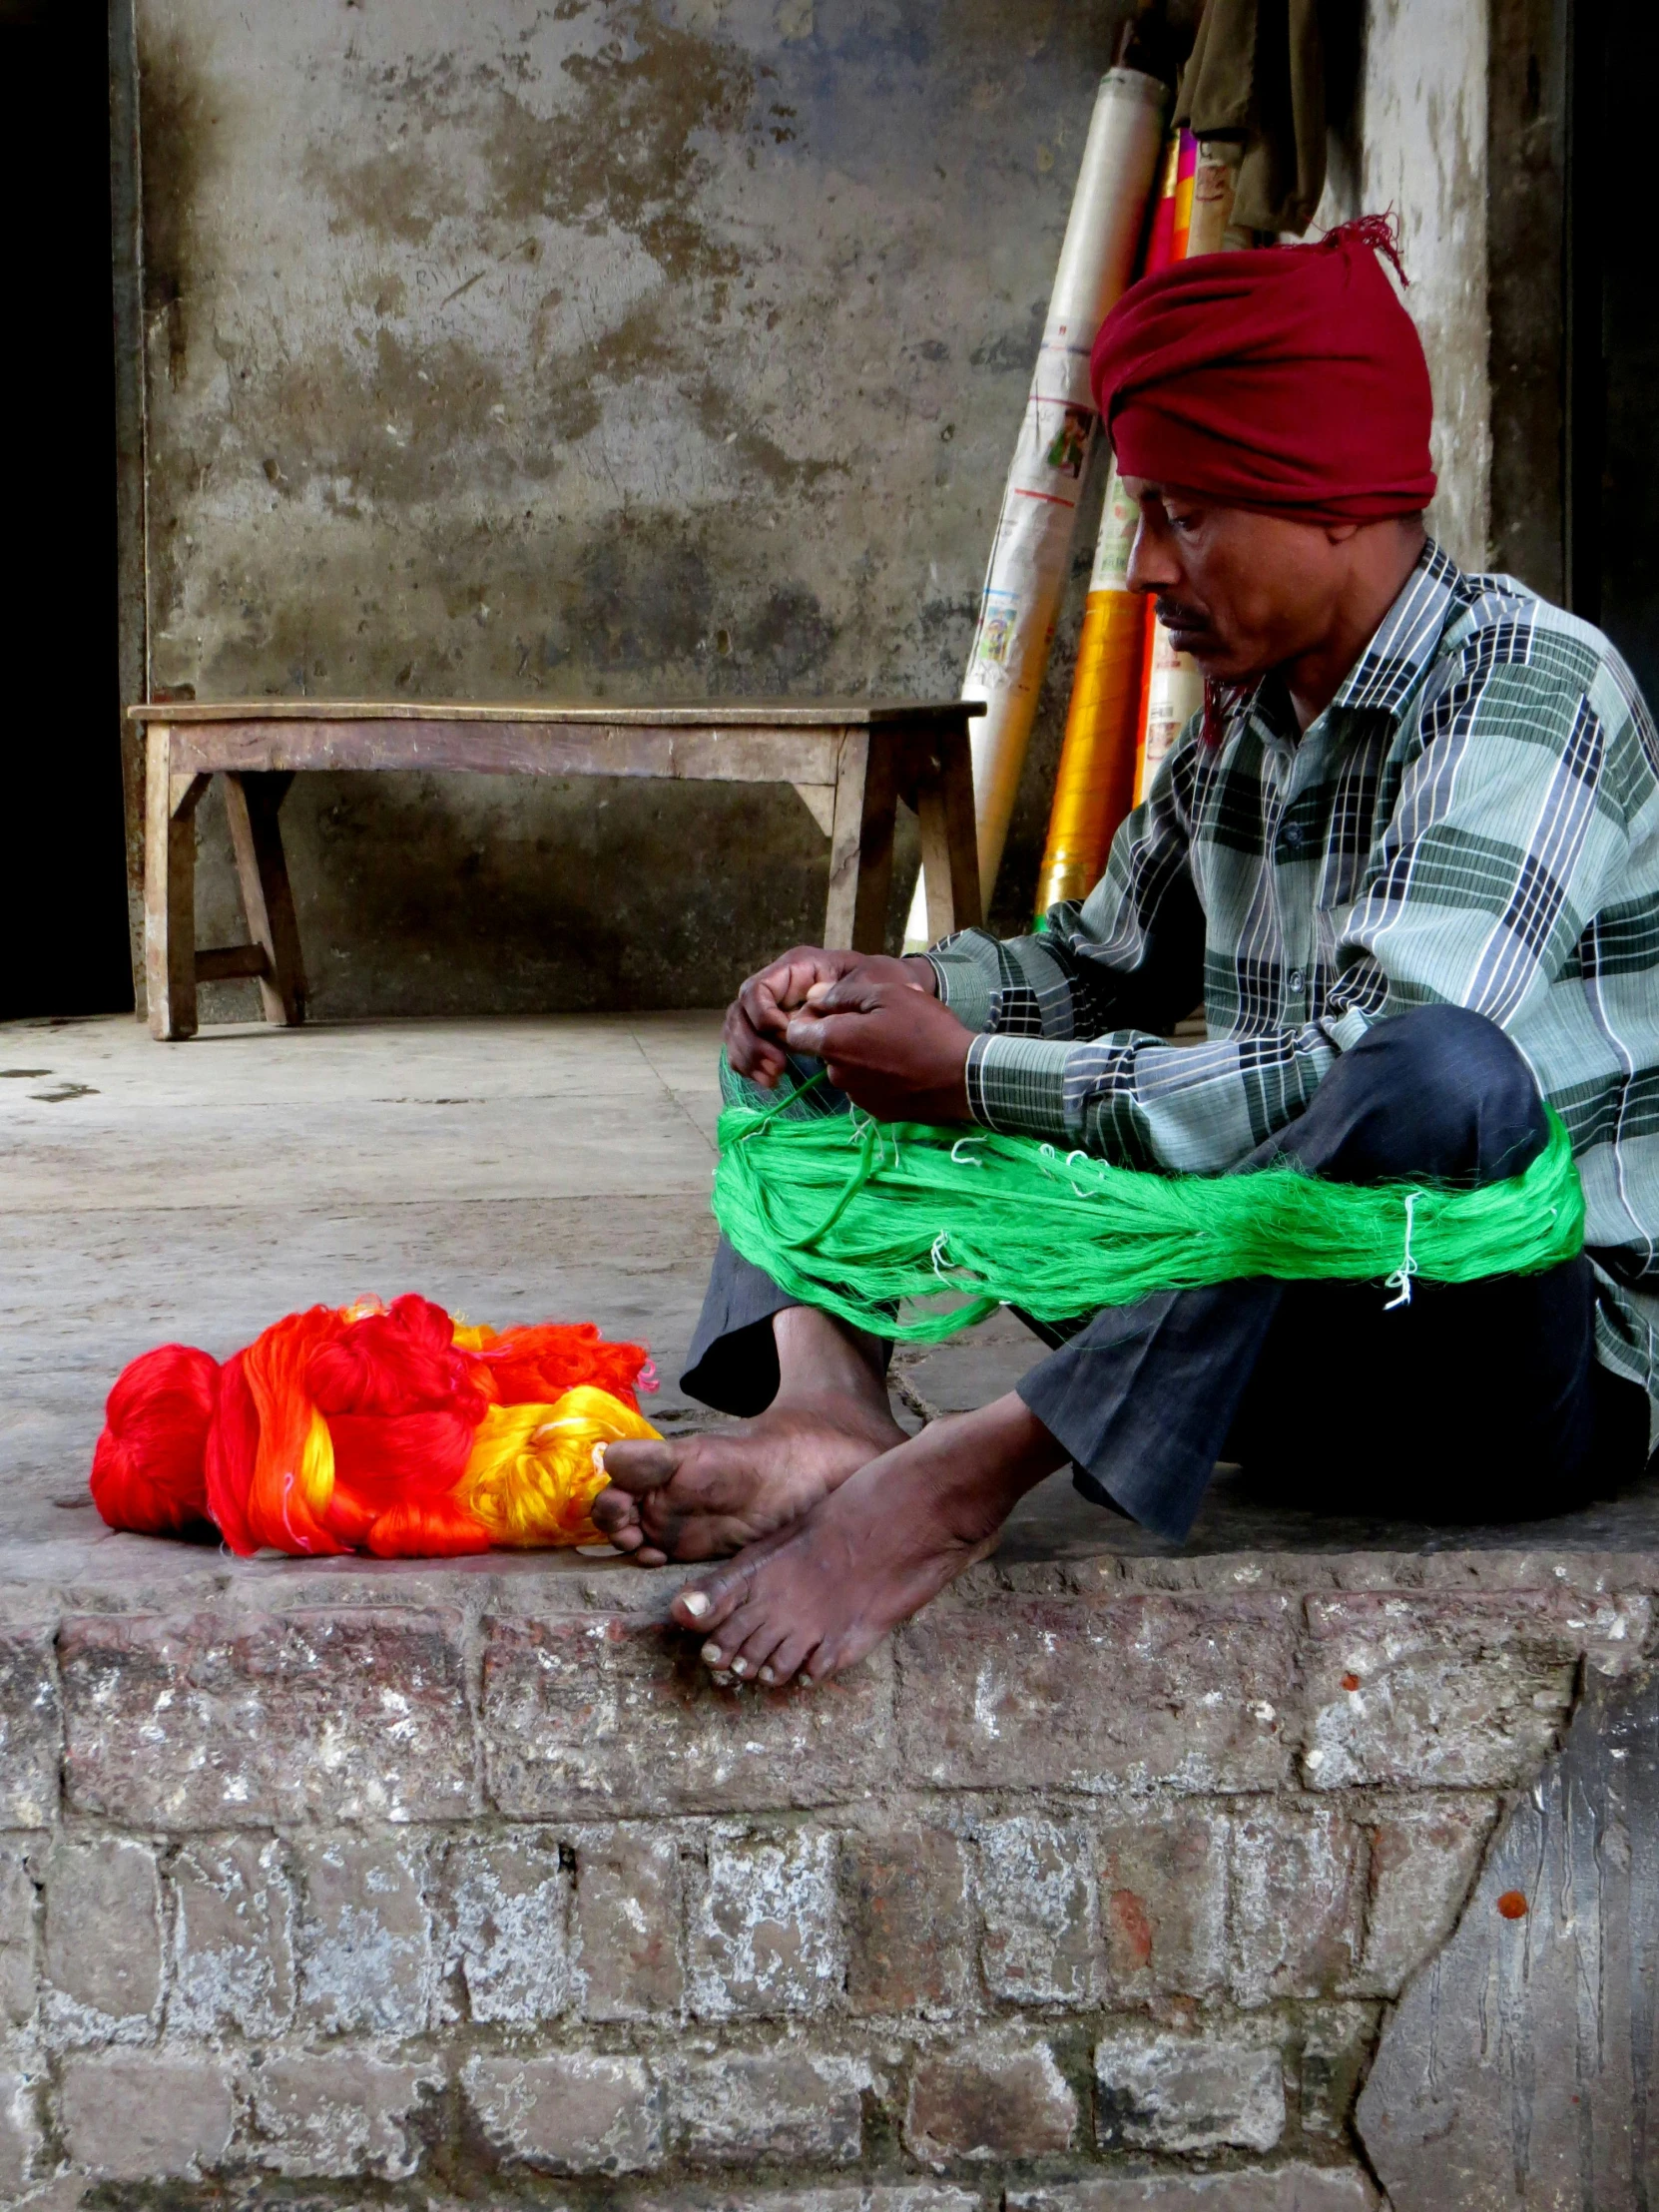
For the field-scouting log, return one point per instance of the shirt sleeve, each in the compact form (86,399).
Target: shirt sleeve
(1132,952)
(1497,854)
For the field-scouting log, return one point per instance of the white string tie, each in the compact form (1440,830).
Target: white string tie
(940,1244)
(1400,1279)
(956,1151)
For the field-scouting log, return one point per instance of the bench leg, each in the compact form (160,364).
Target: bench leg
(861,844)
(169,888)
(250,803)
(949,842)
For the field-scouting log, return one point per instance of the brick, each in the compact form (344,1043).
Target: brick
(627,1917)
(1162,1880)
(910,1927)
(509,1906)
(1459,1690)
(1337,2043)
(576,2113)
(103,1963)
(1182,1692)
(1223,2088)
(880,2197)
(31,1730)
(1297,1901)
(365,1946)
(137,2116)
(1036,1894)
(1294,2188)
(336,2114)
(1000,2096)
(20,2134)
(1423,1858)
(765,1937)
(204,1722)
(778,2104)
(19,1912)
(605,1716)
(233,1952)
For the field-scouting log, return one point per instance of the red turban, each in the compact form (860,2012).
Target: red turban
(1290,380)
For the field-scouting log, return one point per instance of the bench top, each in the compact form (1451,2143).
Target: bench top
(703,714)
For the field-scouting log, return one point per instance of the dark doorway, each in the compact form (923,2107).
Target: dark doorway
(1612,414)
(63,896)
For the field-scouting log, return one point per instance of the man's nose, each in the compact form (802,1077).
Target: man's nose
(1153,566)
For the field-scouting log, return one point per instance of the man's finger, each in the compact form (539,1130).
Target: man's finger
(748,1053)
(758,1001)
(858,992)
(826,1037)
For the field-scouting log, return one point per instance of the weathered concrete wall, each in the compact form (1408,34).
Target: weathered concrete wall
(1416,142)
(1093,1882)
(636,348)
(621,348)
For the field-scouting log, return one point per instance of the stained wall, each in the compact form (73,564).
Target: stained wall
(632,349)
(615,348)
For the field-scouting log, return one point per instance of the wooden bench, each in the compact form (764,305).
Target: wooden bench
(850,761)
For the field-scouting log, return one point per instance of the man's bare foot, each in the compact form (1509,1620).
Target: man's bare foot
(708,1495)
(815,1598)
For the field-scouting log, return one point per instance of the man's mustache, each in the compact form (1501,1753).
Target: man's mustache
(1175,613)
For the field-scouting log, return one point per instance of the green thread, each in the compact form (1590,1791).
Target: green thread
(862,1217)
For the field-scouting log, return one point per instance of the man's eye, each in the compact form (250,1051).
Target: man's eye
(1183,523)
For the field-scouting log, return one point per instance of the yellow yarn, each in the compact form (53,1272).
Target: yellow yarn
(536,1469)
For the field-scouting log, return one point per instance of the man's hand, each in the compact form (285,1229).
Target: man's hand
(757,1017)
(895,1051)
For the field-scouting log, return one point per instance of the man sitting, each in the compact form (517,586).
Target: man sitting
(1409,858)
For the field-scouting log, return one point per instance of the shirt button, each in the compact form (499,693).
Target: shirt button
(1296,979)
(1291,837)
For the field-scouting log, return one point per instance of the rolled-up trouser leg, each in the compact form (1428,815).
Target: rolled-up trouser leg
(1144,1398)
(733,1361)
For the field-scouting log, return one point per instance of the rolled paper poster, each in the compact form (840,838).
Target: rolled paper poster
(1031,552)
(1173,693)
(1095,787)
(1215,180)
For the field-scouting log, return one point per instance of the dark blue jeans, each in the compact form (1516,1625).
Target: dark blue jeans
(1475,1401)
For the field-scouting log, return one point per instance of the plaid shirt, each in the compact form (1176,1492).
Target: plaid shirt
(1473,820)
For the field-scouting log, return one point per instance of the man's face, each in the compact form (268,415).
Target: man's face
(1241,592)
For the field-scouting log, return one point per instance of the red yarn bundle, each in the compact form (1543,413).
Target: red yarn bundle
(387,1429)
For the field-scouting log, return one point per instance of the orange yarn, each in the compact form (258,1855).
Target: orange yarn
(386,1430)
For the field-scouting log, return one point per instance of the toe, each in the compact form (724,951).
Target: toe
(785,1660)
(637,1464)
(613,1513)
(739,1644)
(712,1599)
(755,1658)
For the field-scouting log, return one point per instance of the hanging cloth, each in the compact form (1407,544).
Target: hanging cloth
(1257,74)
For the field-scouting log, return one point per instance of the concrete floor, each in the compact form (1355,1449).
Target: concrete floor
(512,1170)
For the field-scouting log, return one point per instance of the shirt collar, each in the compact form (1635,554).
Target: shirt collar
(1406,641)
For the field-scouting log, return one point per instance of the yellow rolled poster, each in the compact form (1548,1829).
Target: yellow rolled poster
(1095,785)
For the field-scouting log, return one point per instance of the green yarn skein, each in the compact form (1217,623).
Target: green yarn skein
(859,1217)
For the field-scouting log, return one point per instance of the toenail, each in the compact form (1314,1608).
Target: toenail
(766,1675)
(740,1666)
(695,1604)
(711,1654)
